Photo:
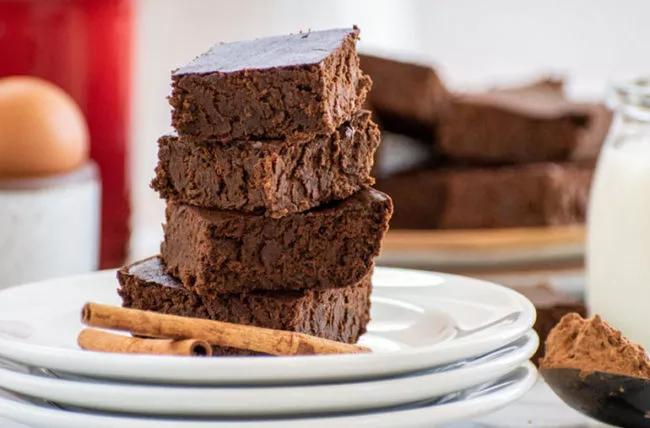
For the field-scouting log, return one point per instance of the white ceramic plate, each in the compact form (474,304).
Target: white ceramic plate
(419,320)
(274,400)
(454,407)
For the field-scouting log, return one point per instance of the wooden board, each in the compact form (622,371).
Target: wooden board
(483,239)
(485,249)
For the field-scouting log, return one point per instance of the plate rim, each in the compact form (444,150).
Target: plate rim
(361,395)
(22,412)
(357,366)
(483,240)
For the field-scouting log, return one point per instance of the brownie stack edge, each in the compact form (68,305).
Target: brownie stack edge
(270,219)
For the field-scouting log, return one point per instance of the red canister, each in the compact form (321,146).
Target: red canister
(83,46)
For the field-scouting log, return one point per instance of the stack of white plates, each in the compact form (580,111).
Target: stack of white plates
(445,348)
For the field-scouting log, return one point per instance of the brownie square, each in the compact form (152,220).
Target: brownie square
(534,123)
(307,83)
(273,177)
(338,313)
(214,251)
(406,98)
(536,194)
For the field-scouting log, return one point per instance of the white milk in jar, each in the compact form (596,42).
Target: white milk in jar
(618,243)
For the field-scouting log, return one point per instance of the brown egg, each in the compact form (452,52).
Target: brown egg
(42,130)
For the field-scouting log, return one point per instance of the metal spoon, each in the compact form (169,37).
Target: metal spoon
(511,317)
(610,398)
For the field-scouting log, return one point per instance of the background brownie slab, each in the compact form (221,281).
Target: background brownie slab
(272,177)
(405,98)
(214,251)
(308,83)
(528,124)
(338,313)
(526,195)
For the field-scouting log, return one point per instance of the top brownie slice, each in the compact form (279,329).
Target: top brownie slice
(406,98)
(534,123)
(276,87)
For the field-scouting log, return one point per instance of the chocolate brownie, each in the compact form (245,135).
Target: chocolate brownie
(338,313)
(214,251)
(406,98)
(551,306)
(276,87)
(270,177)
(533,123)
(462,198)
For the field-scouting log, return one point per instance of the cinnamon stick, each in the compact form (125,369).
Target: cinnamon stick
(264,340)
(102,341)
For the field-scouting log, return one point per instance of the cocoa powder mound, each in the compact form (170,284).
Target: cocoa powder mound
(593,345)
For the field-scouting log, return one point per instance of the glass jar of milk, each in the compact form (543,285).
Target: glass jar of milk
(618,240)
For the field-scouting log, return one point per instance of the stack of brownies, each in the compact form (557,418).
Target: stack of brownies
(520,156)
(270,219)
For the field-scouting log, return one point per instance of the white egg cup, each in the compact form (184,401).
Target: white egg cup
(49,226)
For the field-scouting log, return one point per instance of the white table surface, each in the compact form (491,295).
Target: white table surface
(539,408)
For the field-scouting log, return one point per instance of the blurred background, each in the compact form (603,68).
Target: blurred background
(115,57)
(473,45)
